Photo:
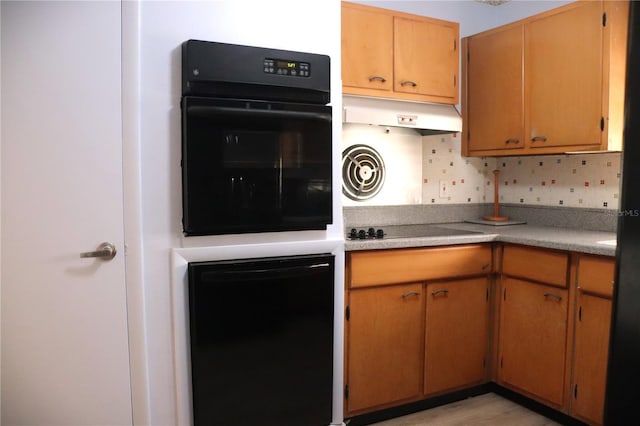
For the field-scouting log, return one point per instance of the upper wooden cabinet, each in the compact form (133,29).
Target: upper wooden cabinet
(551,83)
(497,101)
(367,49)
(398,55)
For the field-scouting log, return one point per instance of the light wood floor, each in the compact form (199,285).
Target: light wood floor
(484,410)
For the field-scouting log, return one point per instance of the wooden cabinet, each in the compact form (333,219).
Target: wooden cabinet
(551,83)
(534,317)
(416,323)
(563,83)
(591,348)
(379,267)
(398,55)
(495,120)
(457,333)
(367,49)
(385,346)
(533,336)
(421,323)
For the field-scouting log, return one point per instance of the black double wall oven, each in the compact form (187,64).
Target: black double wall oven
(256,157)
(256,139)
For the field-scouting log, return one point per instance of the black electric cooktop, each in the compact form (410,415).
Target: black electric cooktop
(403,231)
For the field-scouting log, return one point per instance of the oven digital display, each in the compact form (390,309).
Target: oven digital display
(286,67)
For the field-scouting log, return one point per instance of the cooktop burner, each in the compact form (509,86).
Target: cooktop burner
(403,231)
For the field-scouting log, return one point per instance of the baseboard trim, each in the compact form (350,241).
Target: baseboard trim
(534,405)
(414,407)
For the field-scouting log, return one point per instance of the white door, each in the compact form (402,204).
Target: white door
(65,356)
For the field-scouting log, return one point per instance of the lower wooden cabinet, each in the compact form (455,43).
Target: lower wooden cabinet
(419,326)
(457,328)
(591,348)
(533,339)
(385,338)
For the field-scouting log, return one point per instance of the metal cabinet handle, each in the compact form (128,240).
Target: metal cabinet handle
(377,78)
(553,296)
(437,292)
(106,251)
(512,140)
(409,294)
(405,82)
(485,266)
(539,139)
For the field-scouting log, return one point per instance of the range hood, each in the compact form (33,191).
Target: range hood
(426,118)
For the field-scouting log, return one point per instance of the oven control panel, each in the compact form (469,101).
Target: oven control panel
(286,67)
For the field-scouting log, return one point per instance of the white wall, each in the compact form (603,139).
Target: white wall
(473,16)
(311,26)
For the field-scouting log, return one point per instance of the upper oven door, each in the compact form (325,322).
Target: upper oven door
(255,166)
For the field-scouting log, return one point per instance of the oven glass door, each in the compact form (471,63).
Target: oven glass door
(252,166)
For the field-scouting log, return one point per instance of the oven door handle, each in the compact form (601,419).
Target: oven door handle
(262,273)
(257,113)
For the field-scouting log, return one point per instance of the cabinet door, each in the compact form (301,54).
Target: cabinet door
(564,77)
(533,330)
(385,346)
(367,49)
(495,90)
(426,58)
(590,357)
(456,334)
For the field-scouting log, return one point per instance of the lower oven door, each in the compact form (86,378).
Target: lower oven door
(262,341)
(255,166)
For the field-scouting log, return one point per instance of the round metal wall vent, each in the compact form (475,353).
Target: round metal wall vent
(362,172)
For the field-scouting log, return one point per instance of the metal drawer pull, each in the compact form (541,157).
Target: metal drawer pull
(409,294)
(539,139)
(377,78)
(512,140)
(554,296)
(405,82)
(437,292)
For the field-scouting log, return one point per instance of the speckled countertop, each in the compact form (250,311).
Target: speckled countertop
(533,235)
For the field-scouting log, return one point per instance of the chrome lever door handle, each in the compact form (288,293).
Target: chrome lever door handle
(106,251)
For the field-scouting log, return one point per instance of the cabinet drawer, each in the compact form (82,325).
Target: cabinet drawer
(379,267)
(596,275)
(542,265)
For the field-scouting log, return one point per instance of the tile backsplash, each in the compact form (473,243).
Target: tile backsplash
(465,179)
(576,180)
(585,180)
(418,166)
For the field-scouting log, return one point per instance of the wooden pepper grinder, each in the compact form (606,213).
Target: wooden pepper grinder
(496,201)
